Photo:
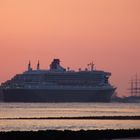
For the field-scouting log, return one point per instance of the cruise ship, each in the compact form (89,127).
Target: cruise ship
(58,84)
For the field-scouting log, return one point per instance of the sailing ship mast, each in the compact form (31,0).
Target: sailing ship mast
(135,86)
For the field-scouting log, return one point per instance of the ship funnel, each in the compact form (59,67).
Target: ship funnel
(55,65)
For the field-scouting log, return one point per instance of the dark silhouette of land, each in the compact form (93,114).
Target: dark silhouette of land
(70,135)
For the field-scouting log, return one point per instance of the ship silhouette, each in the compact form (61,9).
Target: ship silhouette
(58,84)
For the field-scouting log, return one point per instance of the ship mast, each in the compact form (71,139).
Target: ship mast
(38,65)
(131,88)
(91,66)
(29,66)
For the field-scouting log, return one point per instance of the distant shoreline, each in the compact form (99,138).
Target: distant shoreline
(78,118)
(107,134)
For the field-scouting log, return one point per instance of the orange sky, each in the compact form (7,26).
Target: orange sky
(76,31)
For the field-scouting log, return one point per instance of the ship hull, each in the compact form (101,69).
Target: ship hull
(47,95)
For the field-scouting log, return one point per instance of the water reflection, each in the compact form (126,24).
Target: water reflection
(37,110)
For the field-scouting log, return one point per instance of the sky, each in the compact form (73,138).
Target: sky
(106,32)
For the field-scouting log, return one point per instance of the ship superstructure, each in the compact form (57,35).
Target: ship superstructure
(58,85)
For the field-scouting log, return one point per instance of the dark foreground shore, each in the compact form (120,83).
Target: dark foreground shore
(70,135)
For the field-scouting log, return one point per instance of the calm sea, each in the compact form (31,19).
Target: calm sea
(10,114)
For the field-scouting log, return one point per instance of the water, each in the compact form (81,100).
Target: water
(28,111)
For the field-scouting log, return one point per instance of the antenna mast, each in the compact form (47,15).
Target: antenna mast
(91,65)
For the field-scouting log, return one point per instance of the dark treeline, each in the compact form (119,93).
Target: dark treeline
(70,135)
